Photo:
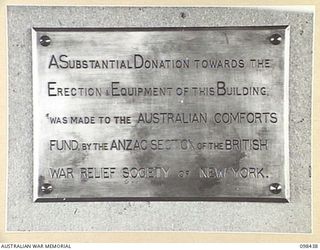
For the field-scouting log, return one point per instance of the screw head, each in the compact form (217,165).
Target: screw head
(45,40)
(46,188)
(275,39)
(275,188)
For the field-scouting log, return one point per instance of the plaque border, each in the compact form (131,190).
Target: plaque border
(285,168)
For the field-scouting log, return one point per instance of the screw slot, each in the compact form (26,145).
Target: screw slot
(275,39)
(45,40)
(46,188)
(275,188)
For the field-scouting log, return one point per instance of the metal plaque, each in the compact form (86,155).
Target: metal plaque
(161,113)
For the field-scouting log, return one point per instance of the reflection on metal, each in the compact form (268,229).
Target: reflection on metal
(46,188)
(44,41)
(275,39)
(275,188)
(161,114)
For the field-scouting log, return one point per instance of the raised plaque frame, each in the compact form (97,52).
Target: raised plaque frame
(268,195)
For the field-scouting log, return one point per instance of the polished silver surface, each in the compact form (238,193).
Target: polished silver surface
(161,114)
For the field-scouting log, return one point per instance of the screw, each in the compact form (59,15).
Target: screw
(45,40)
(275,188)
(275,39)
(46,188)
